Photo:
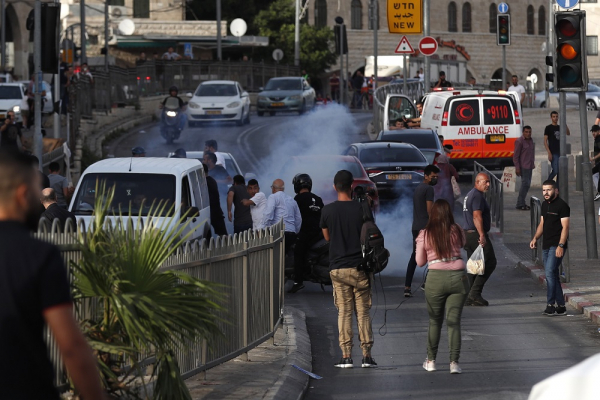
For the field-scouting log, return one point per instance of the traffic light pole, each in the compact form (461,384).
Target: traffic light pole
(588,191)
(3,35)
(82,31)
(427,72)
(563,166)
(37,62)
(503,87)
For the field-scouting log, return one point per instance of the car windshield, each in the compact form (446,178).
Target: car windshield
(284,84)
(391,155)
(593,88)
(10,93)
(419,140)
(321,170)
(216,90)
(138,191)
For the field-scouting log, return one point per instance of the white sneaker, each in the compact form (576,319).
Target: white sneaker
(455,368)
(429,366)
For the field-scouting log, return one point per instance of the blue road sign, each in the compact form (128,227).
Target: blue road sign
(503,7)
(567,3)
(187,50)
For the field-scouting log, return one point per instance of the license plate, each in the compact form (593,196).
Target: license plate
(277,104)
(213,112)
(495,138)
(395,177)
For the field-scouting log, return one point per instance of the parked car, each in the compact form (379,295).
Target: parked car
(396,168)
(426,140)
(218,101)
(592,98)
(11,96)
(231,165)
(48,105)
(286,94)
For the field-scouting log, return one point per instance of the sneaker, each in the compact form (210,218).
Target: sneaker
(561,310)
(345,363)
(368,362)
(597,197)
(455,368)
(407,292)
(479,301)
(296,287)
(429,366)
(550,310)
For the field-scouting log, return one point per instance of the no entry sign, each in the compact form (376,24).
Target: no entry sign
(428,46)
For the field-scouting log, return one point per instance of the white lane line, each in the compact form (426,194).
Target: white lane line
(242,142)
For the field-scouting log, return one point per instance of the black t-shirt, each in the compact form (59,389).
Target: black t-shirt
(344,221)
(445,83)
(597,148)
(423,193)
(55,211)
(310,206)
(552,212)
(8,137)
(44,179)
(241,213)
(32,279)
(214,198)
(553,133)
(219,174)
(475,201)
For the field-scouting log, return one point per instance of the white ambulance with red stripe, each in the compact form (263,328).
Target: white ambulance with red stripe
(480,125)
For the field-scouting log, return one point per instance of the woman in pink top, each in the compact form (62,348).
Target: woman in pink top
(439,245)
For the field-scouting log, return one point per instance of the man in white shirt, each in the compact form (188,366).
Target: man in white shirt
(280,205)
(212,146)
(257,204)
(171,55)
(517,88)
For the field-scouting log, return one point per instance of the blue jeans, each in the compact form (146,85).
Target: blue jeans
(554,164)
(525,184)
(551,264)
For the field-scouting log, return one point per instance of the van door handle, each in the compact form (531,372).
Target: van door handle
(194,220)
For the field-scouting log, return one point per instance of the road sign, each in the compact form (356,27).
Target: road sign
(405,16)
(567,3)
(428,46)
(404,47)
(187,50)
(503,7)
(277,55)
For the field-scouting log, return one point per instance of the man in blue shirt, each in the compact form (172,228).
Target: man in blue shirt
(280,205)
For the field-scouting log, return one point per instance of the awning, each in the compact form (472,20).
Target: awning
(203,42)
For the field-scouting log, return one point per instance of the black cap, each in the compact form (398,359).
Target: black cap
(442,73)
(595,128)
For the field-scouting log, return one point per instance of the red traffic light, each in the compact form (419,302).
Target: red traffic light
(566,27)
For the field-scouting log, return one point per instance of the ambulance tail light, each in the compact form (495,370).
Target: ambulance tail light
(445,119)
(437,89)
(517,117)
(455,93)
(450,89)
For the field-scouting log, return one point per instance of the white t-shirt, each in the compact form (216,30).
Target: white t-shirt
(258,210)
(519,89)
(220,159)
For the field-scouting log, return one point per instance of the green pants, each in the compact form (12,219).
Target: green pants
(445,292)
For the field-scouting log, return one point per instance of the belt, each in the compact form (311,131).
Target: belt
(471,231)
(444,260)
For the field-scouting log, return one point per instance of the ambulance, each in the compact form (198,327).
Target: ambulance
(479,125)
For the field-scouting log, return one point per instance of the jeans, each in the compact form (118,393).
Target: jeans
(352,293)
(478,281)
(554,164)
(554,291)
(412,263)
(525,184)
(445,293)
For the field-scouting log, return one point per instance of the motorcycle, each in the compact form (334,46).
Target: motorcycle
(318,264)
(171,120)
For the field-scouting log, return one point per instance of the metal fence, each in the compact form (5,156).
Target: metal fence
(494,196)
(249,266)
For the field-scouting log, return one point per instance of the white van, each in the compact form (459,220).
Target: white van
(480,125)
(141,181)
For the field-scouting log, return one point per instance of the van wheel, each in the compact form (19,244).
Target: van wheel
(590,105)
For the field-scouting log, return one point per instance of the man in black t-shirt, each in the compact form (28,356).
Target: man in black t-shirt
(242,219)
(596,158)
(341,222)
(34,291)
(478,221)
(554,226)
(552,144)
(217,218)
(218,172)
(54,211)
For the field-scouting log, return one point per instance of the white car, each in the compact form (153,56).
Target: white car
(11,96)
(218,101)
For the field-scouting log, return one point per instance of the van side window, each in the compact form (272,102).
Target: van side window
(196,189)
(497,112)
(203,188)
(400,107)
(186,198)
(464,112)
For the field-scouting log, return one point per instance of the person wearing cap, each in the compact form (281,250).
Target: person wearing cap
(442,82)
(138,152)
(524,160)
(596,158)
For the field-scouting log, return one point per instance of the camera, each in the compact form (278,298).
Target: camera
(359,194)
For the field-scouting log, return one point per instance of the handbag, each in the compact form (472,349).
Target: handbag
(455,187)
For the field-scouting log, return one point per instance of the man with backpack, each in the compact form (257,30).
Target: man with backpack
(341,222)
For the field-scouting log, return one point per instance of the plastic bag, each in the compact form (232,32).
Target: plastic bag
(476,264)
(455,188)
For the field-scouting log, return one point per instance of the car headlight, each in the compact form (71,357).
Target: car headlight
(17,109)
(171,114)
(234,104)
(296,97)
(193,105)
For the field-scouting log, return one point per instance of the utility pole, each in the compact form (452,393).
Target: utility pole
(37,61)
(503,87)
(563,165)
(106,2)
(3,36)
(219,45)
(297,35)
(375,8)
(427,71)
(82,31)
(56,96)
(549,48)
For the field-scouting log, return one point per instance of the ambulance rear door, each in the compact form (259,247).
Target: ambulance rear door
(461,127)
(502,126)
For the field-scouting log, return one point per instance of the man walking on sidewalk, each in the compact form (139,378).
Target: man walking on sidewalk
(524,160)
(478,221)
(552,144)
(341,222)
(554,225)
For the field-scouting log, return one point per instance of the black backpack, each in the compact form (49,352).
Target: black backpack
(375,255)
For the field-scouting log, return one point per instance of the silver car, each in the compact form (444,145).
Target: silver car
(286,94)
(592,98)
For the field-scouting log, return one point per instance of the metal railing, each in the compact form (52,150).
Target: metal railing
(494,196)
(250,268)
(536,215)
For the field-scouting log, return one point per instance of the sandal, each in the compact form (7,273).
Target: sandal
(524,208)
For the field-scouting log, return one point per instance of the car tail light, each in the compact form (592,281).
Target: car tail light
(373,172)
(138,78)
(517,118)
(147,78)
(445,119)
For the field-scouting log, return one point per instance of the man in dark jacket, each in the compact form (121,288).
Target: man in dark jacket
(217,219)
(53,211)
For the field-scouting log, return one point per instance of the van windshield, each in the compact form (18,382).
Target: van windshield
(464,112)
(138,191)
(400,107)
(497,112)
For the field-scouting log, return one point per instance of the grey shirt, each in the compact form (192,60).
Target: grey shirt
(58,183)
(423,194)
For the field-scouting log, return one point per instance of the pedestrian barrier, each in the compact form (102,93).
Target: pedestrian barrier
(250,268)
(494,195)
(536,216)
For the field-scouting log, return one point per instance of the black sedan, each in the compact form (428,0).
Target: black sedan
(425,140)
(395,168)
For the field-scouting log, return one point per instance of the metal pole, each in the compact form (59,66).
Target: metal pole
(375,29)
(342,71)
(549,47)
(297,35)
(106,36)
(404,58)
(3,36)
(503,87)
(588,188)
(219,47)
(82,31)
(37,61)
(563,167)
(427,71)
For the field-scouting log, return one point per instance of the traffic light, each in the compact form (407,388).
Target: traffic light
(503,30)
(340,32)
(570,70)
(50,18)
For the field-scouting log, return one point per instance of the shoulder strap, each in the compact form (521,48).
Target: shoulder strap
(367,213)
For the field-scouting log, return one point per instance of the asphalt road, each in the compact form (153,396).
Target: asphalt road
(507,347)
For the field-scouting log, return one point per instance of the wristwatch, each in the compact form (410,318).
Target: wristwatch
(561,245)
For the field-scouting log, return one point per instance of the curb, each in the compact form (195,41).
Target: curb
(291,383)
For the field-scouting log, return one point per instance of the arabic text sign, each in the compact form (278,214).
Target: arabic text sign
(405,16)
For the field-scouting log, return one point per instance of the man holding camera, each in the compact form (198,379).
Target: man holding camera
(10,133)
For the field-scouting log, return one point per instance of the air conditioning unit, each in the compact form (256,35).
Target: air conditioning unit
(117,13)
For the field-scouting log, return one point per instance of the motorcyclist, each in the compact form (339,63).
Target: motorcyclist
(173,91)
(310,206)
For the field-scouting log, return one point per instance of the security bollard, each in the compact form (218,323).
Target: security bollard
(578,173)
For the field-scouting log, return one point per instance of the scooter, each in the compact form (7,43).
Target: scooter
(171,120)
(318,264)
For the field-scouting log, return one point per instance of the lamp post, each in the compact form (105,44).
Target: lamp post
(340,21)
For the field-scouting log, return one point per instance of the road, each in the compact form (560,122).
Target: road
(507,347)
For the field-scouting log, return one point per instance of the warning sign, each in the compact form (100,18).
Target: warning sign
(405,16)
(404,47)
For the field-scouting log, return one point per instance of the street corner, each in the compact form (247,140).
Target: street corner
(537,272)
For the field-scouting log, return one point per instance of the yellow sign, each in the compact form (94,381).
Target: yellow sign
(405,16)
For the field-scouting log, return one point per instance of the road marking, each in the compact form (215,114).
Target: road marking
(242,142)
